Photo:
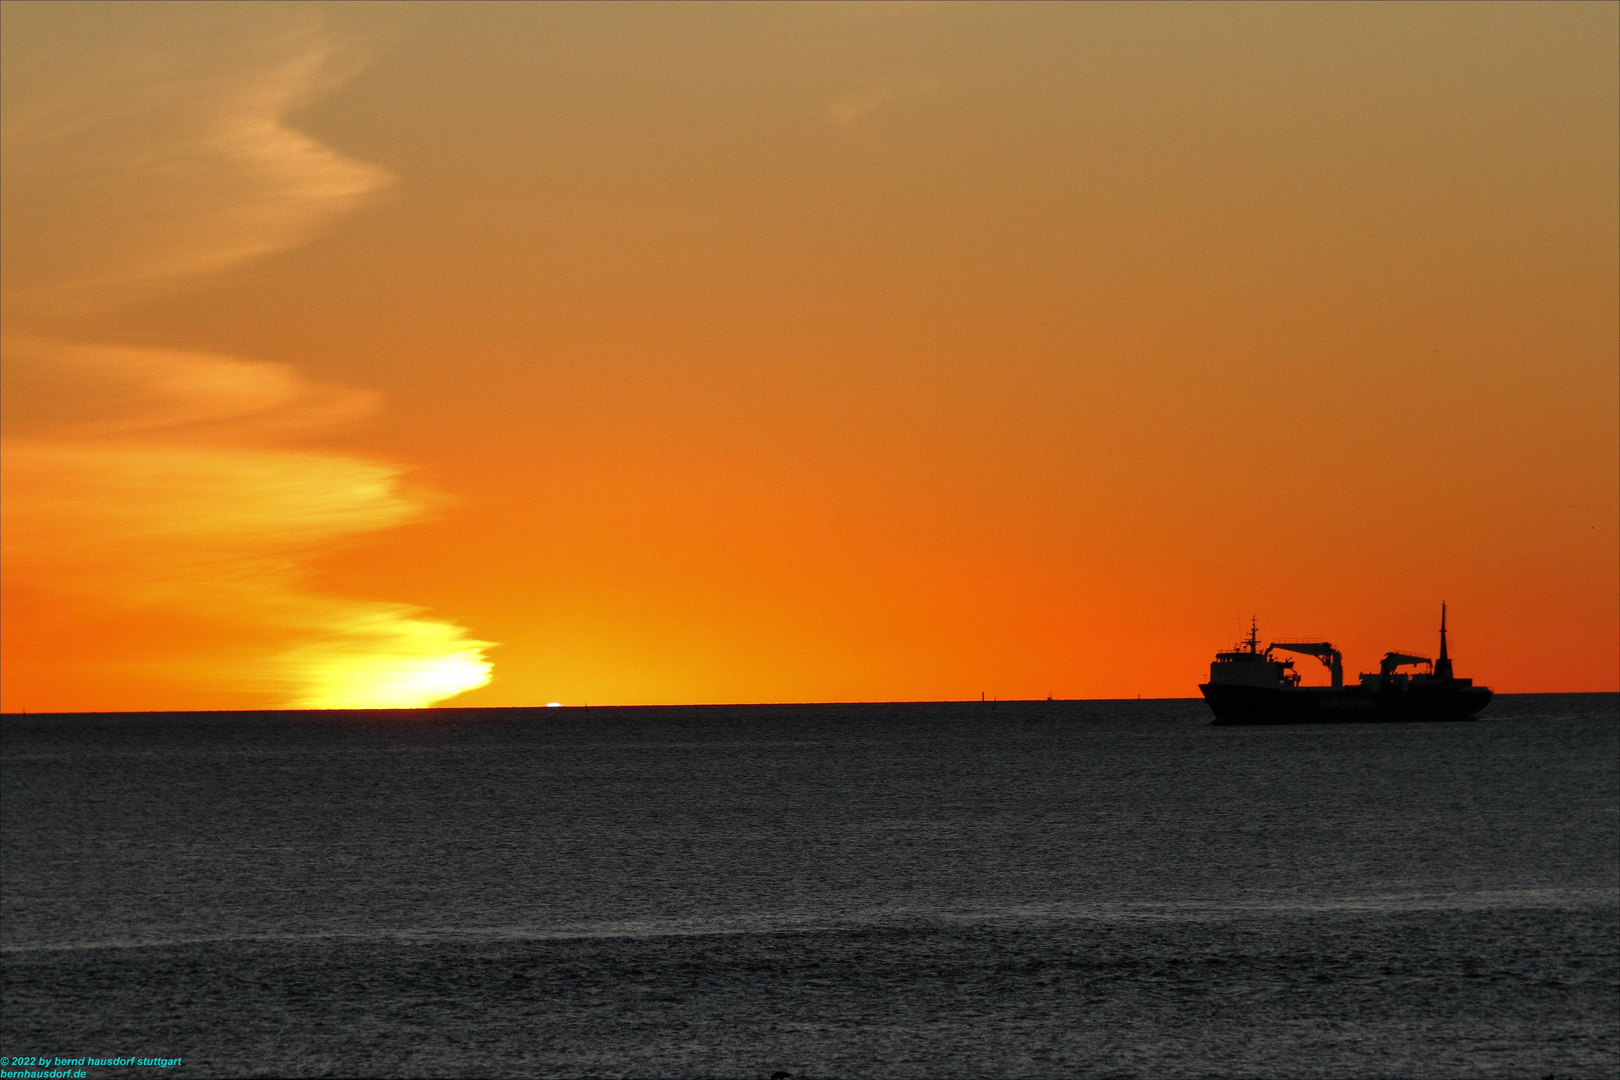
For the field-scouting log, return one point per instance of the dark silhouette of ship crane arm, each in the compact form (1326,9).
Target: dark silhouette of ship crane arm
(1333,660)
(1324,651)
(1249,686)
(1393,660)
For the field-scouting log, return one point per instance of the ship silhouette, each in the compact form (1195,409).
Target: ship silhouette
(1248,686)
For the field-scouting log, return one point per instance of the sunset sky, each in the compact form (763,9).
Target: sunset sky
(499,354)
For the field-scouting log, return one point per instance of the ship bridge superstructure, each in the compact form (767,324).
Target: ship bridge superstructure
(1250,665)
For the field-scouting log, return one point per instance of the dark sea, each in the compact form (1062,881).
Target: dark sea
(1040,889)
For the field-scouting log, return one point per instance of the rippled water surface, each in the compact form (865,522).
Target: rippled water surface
(1042,889)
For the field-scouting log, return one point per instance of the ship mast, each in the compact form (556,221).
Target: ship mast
(1442,666)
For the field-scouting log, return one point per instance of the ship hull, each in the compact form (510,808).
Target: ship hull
(1410,703)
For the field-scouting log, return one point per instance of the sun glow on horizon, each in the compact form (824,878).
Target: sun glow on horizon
(392,682)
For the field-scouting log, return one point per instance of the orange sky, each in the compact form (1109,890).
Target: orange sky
(361,354)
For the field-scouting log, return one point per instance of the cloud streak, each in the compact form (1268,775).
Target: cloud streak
(160,149)
(159,480)
(851,110)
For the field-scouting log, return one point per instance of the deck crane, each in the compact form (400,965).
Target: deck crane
(1393,660)
(1322,650)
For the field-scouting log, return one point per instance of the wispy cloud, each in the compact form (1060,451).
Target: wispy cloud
(851,110)
(148,479)
(159,147)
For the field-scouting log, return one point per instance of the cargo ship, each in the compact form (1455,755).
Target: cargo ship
(1250,686)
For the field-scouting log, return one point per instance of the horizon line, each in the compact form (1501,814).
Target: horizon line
(988,702)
